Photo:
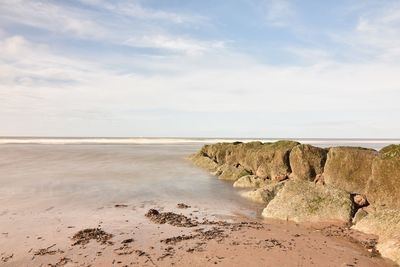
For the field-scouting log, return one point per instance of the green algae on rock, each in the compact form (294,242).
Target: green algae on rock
(384,184)
(349,168)
(303,201)
(266,160)
(391,151)
(204,162)
(270,160)
(354,177)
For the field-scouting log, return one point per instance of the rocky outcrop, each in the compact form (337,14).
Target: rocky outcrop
(266,160)
(349,168)
(376,175)
(307,162)
(351,184)
(384,185)
(269,160)
(303,201)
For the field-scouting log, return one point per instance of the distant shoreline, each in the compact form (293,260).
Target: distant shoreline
(185,140)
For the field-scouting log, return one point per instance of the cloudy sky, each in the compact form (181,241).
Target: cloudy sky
(239,68)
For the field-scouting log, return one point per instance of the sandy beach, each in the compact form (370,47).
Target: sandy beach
(146,205)
(123,236)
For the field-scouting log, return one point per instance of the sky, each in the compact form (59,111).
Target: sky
(209,68)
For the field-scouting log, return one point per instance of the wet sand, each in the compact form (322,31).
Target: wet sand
(87,206)
(124,236)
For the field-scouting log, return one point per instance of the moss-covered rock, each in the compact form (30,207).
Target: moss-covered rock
(204,162)
(229,172)
(384,184)
(307,162)
(218,152)
(265,193)
(386,225)
(349,168)
(390,152)
(303,201)
(267,160)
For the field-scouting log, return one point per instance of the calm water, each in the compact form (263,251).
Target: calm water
(91,176)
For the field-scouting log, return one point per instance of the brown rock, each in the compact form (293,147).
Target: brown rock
(267,160)
(249,181)
(385,224)
(307,162)
(204,162)
(384,184)
(349,168)
(265,193)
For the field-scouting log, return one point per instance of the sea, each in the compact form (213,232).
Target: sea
(85,174)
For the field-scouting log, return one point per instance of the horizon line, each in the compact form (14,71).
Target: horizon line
(197,137)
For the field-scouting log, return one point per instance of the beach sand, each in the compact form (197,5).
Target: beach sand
(86,206)
(124,236)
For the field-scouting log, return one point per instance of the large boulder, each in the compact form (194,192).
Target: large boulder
(303,201)
(386,225)
(349,168)
(384,184)
(268,160)
(307,162)
(236,154)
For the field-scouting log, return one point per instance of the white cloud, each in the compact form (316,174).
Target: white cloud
(178,44)
(87,24)
(376,35)
(381,31)
(49,16)
(230,83)
(136,10)
(25,63)
(43,91)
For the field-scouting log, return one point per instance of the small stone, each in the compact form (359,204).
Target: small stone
(360,200)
